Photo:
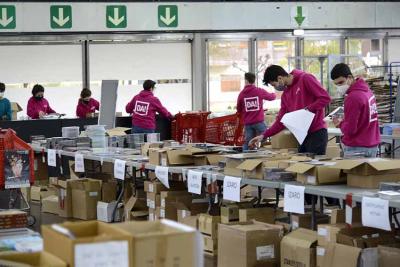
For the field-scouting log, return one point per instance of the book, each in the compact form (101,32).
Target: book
(16,169)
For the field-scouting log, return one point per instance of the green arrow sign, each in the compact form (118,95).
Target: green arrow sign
(116,17)
(61,17)
(299,17)
(7,17)
(168,16)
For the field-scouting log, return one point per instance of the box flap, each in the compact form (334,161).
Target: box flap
(347,164)
(15,107)
(383,165)
(300,168)
(118,131)
(302,237)
(249,164)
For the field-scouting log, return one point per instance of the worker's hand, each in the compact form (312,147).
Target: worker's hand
(337,121)
(253,142)
(41,114)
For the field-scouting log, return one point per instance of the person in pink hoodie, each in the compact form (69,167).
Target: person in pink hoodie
(38,106)
(143,108)
(87,106)
(301,90)
(250,107)
(360,125)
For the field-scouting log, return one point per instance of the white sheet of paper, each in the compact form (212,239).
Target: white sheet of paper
(294,199)
(375,213)
(162,175)
(349,215)
(232,188)
(119,169)
(105,254)
(298,122)
(79,163)
(52,157)
(194,181)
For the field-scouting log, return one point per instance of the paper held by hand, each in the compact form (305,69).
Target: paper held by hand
(298,123)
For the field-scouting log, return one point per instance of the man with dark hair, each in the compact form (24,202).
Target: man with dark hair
(5,105)
(250,107)
(143,108)
(360,126)
(301,90)
(38,106)
(87,105)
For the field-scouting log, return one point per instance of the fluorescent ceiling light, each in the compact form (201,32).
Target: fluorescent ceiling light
(298,32)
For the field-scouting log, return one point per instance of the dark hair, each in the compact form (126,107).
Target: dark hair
(340,70)
(250,77)
(2,87)
(86,93)
(37,88)
(148,84)
(272,72)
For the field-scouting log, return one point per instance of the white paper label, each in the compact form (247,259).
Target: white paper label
(93,194)
(232,188)
(51,158)
(163,203)
(294,199)
(79,163)
(320,251)
(295,225)
(184,215)
(311,179)
(151,188)
(375,213)
(152,204)
(148,202)
(119,169)
(162,175)
(151,216)
(162,213)
(322,232)
(194,182)
(105,254)
(164,162)
(349,215)
(265,252)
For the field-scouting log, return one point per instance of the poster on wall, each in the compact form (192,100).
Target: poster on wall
(16,169)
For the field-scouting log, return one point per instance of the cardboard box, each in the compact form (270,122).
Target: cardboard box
(367,167)
(105,211)
(210,244)
(321,253)
(327,233)
(338,216)
(252,168)
(266,215)
(175,196)
(209,224)
(17,259)
(40,192)
(333,151)
(252,244)
(50,205)
(161,243)
(192,221)
(156,186)
(304,220)
(169,206)
(298,248)
(15,108)
(169,157)
(109,191)
(153,200)
(388,256)
(364,237)
(338,255)
(85,195)
(87,234)
(210,159)
(317,173)
(118,131)
(230,211)
(146,147)
(64,193)
(184,211)
(284,139)
(134,207)
(370,181)
(233,161)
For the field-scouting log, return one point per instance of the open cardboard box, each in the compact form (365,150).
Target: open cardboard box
(15,108)
(317,173)
(169,156)
(39,259)
(284,139)
(366,167)
(298,248)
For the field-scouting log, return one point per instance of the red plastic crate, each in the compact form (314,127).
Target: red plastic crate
(225,130)
(190,127)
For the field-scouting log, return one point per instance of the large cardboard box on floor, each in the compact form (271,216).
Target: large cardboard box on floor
(265,215)
(284,139)
(162,243)
(298,248)
(388,256)
(64,193)
(317,173)
(365,237)
(338,255)
(157,187)
(208,224)
(338,216)
(230,211)
(304,220)
(50,205)
(85,194)
(82,243)
(327,233)
(37,259)
(250,244)
(109,191)
(40,192)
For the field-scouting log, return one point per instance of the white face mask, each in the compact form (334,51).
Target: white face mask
(2,95)
(342,89)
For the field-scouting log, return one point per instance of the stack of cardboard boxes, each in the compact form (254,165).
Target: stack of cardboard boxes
(208,227)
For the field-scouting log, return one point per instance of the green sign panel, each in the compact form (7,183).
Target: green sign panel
(299,16)
(7,17)
(61,17)
(116,17)
(168,16)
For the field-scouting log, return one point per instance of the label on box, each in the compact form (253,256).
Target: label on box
(194,182)
(349,215)
(322,231)
(320,251)
(113,253)
(162,213)
(151,216)
(265,252)
(164,162)
(51,158)
(151,188)
(162,175)
(375,235)
(311,179)
(184,215)
(295,225)
(375,213)
(148,202)
(163,203)
(152,204)
(93,194)
(79,163)
(294,199)
(232,188)
(119,169)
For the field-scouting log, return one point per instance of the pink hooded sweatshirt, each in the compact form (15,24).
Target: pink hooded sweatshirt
(360,126)
(143,108)
(35,106)
(304,92)
(250,104)
(82,109)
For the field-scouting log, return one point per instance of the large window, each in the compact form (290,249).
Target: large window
(369,49)
(228,61)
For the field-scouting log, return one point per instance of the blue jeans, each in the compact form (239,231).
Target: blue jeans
(136,129)
(251,131)
(368,152)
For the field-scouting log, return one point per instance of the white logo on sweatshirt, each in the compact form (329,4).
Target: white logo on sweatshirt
(141,108)
(251,104)
(373,109)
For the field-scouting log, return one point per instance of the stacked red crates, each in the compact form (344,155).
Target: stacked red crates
(190,127)
(225,130)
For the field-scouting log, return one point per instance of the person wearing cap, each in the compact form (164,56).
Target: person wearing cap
(87,105)
(250,107)
(38,106)
(359,125)
(5,105)
(144,107)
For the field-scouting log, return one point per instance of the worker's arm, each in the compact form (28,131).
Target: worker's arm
(313,86)
(129,107)
(161,109)
(8,110)
(266,95)
(277,126)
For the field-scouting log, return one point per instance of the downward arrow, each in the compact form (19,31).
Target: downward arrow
(299,18)
(4,21)
(116,20)
(167,20)
(60,20)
